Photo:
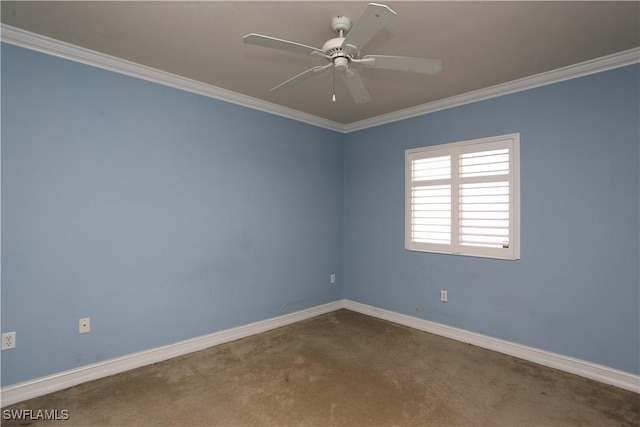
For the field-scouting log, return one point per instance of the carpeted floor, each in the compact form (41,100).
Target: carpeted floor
(341,369)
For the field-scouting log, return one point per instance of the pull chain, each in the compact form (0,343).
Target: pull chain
(333,97)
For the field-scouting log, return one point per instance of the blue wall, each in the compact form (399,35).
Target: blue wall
(165,215)
(160,214)
(576,289)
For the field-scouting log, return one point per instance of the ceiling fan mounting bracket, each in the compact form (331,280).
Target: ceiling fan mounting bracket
(340,23)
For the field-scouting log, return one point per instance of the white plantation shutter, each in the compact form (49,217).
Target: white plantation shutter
(462,198)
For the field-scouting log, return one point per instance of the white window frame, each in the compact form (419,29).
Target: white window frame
(511,249)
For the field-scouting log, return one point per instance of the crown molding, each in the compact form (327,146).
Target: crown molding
(43,44)
(40,43)
(609,62)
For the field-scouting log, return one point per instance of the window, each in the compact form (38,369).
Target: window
(463,198)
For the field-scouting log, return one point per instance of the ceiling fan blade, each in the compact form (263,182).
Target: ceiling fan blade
(266,41)
(296,80)
(403,63)
(373,19)
(356,86)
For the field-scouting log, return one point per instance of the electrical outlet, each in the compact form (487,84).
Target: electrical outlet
(84,325)
(333,279)
(8,340)
(444,296)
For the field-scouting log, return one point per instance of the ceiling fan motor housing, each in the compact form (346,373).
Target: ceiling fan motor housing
(340,58)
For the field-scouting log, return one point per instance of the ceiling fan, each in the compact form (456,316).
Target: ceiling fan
(343,51)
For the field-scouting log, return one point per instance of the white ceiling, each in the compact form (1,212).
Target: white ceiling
(481,44)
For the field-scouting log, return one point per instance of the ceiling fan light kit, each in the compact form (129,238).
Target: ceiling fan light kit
(343,51)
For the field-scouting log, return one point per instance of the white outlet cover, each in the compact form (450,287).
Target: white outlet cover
(8,340)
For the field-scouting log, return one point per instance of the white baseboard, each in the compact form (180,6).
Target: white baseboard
(579,367)
(50,383)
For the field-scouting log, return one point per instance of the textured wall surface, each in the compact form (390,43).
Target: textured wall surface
(576,289)
(163,215)
(160,214)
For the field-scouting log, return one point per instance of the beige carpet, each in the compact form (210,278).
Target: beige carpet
(341,369)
